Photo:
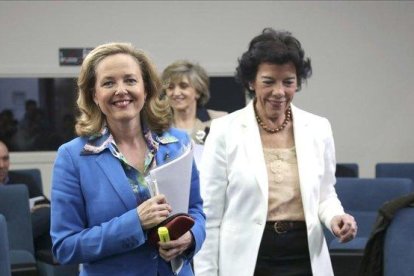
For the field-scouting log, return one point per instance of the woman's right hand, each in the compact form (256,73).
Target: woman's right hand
(153,211)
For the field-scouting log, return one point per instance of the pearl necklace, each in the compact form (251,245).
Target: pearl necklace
(288,117)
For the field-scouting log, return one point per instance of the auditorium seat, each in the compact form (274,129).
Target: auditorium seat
(400,169)
(362,198)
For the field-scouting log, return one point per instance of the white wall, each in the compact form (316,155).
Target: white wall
(361,54)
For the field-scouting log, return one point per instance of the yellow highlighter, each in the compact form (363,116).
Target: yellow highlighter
(163,234)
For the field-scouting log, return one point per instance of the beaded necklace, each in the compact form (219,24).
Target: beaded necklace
(288,117)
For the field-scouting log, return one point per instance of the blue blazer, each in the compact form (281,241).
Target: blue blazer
(94,219)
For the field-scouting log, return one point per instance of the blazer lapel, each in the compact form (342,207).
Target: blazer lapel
(304,149)
(253,146)
(117,178)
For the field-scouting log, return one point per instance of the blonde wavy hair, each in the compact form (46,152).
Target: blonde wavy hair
(197,76)
(155,113)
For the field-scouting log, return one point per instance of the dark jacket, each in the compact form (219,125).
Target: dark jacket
(372,261)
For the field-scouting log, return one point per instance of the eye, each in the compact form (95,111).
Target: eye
(289,83)
(171,86)
(184,85)
(268,82)
(107,83)
(131,81)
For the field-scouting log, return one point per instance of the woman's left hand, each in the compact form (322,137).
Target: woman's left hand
(344,227)
(170,250)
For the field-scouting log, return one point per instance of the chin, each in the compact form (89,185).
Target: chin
(180,108)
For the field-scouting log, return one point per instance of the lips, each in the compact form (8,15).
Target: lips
(179,98)
(121,103)
(276,102)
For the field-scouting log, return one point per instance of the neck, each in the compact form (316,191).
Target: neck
(288,117)
(185,118)
(126,133)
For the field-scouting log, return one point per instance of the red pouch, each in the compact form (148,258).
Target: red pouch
(176,224)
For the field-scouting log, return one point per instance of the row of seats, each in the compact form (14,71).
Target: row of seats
(361,197)
(365,198)
(397,169)
(17,245)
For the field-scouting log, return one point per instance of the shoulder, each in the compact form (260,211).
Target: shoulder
(232,125)
(216,113)
(74,144)
(174,135)
(320,124)
(308,116)
(171,144)
(234,118)
(73,148)
(173,138)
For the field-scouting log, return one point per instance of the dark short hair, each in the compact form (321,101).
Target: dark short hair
(271,46)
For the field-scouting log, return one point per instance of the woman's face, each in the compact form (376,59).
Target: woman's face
(119,88)
(182,95)
(274,86)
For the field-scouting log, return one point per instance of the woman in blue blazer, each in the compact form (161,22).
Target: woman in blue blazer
(101,205)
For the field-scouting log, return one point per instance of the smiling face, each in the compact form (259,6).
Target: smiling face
(119,89)
(182,95)
(274,86)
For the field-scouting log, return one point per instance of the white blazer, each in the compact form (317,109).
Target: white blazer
(234,186)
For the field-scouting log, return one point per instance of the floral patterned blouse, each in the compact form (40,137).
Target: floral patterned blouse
(104,141)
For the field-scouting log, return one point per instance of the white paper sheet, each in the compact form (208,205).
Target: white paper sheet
(198,154)
(33,200)
(173,179)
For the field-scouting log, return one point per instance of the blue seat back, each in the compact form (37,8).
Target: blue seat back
(4,248)
(14,205)
(34,173)
(405,170)
(399,244)
(363,197)
(347,170)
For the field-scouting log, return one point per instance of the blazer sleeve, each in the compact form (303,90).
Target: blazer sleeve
(195,208)
(74,239)
(213,179)
(329,205)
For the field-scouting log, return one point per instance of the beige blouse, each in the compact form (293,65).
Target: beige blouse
(285,202)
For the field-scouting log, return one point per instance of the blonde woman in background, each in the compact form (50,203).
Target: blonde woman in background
(186,85)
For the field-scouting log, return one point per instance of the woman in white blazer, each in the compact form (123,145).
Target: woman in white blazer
(268,174)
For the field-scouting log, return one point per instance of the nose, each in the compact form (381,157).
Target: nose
(120,89)
(176,90)
(278,89)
